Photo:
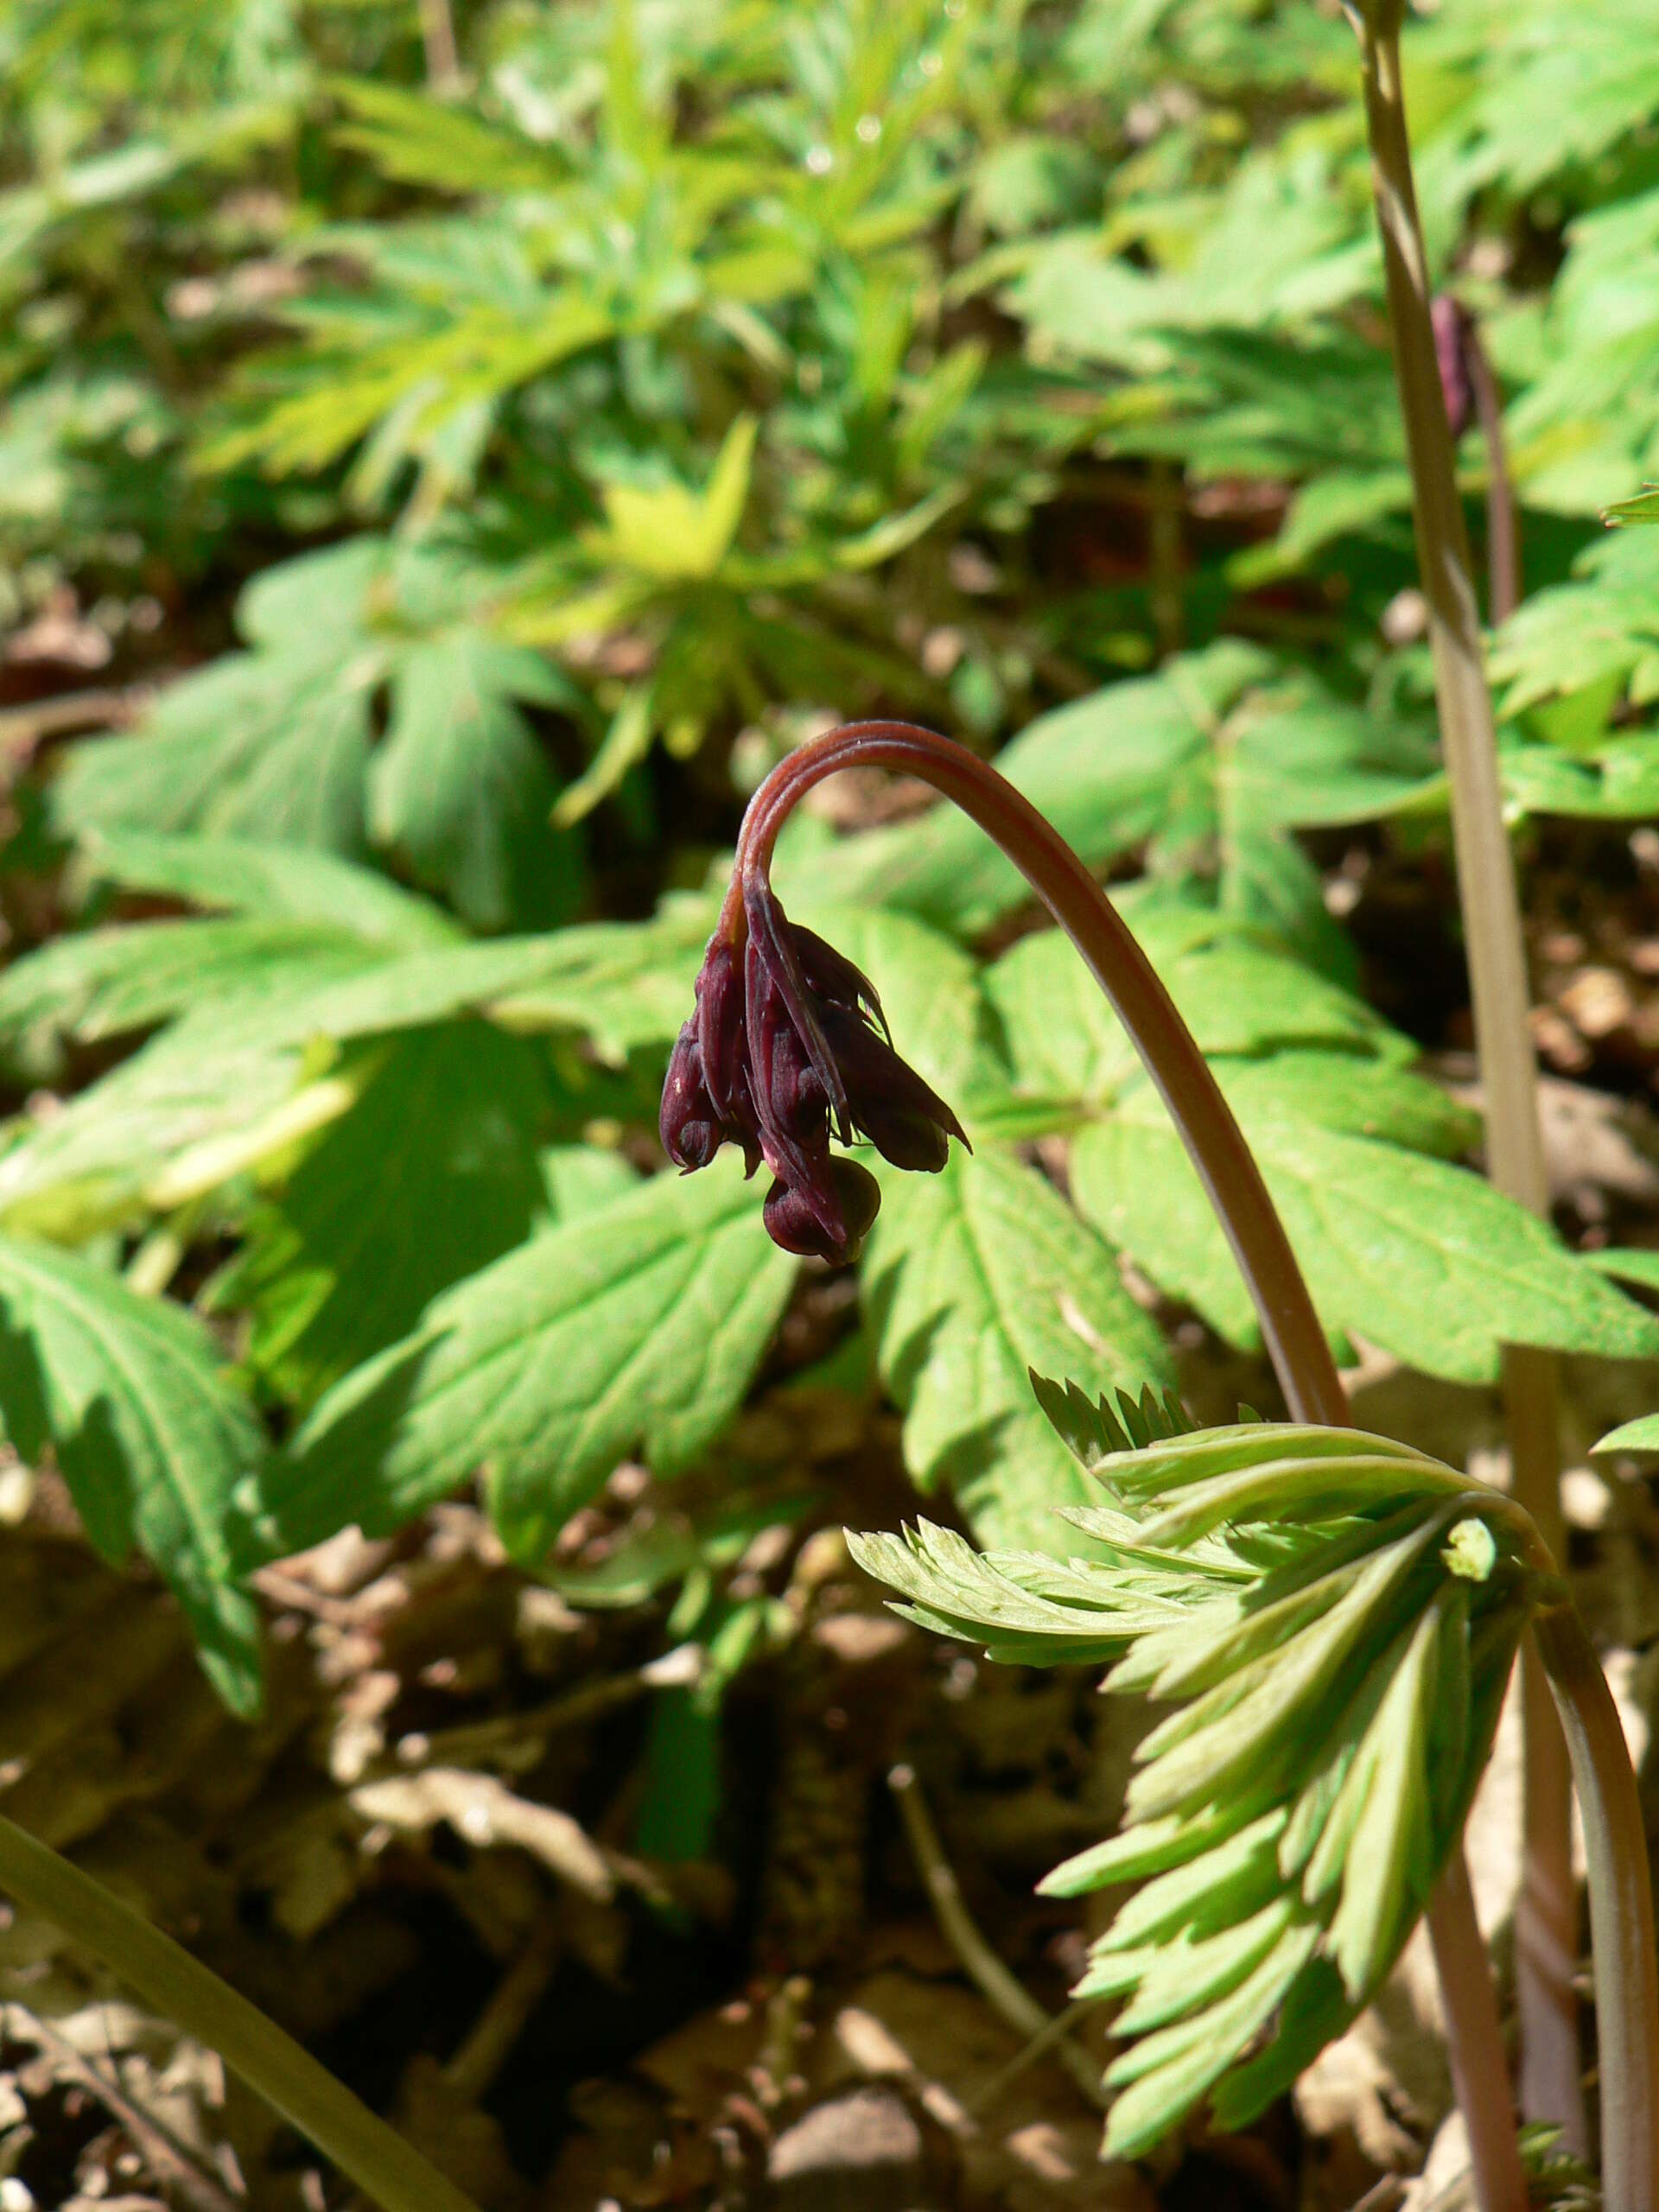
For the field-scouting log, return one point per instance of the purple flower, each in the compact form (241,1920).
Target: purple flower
(779,1062)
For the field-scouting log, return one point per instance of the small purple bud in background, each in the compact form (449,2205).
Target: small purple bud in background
(1451,325)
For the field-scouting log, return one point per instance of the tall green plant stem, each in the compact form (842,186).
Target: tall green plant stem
(1227,1168)
(1547,1913)
(371,2154)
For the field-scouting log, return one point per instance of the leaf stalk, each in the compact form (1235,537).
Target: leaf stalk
(369,2152)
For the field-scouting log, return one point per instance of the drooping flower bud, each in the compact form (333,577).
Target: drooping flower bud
(689,1128)
(792,1219)
(783,1054)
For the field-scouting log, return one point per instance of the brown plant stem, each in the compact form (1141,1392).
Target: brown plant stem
(1547,1918)
(1227,1168)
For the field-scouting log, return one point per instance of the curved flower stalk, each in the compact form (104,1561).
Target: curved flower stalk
(761,1068)
(724,1080)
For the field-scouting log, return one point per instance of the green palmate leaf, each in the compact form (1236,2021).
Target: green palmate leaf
(191,1091)
(975,1276)
(430,1175)
(1235,995)
(1423,1259)
(1602,627)
(226,1083)
(639,1325)
(269,882)
(459,787)
(108,983)
(128,1393)
(276,743)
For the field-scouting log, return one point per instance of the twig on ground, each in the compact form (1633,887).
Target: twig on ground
(1007,1997)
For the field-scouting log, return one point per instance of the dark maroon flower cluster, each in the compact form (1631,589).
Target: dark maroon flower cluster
(782,1056)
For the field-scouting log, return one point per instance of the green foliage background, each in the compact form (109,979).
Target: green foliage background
(497,466)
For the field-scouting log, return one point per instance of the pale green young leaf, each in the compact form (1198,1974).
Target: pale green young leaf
(956,1590)
(414,138)
(129,1395)
(1195,1971)
(1174,2066)
(1388,1864)
(673,534)
(638,1326)
(1234,1729)
(975,1276)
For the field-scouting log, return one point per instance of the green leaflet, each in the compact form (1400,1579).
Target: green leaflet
(1423,1259)
(1641,1434)
(255,746)
(430,1175)
(973,1276)
(1174,2065)
(232,1067)
(129,1393)
(638,1325)
(194,1089)
(271,882)
(108,983)
(1237,995)
(953,1591)
(459,787)
(1598,627)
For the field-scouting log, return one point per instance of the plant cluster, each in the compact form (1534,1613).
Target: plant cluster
(490,445)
